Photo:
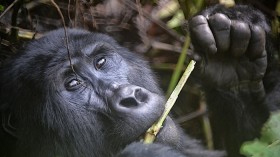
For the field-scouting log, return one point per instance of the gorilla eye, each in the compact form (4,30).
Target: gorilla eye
(100,62)
(73,84)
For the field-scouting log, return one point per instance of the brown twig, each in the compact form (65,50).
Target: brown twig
(77,11)
(206,124)
(65,32)
(8,8)
(166,47)
(68,12)
(190,116)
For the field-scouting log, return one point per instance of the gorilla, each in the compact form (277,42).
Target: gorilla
(95,98)
(93,106)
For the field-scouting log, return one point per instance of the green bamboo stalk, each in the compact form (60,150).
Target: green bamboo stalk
(154,129)
(179,66)
(176,74)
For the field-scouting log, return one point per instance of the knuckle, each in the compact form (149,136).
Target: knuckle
(219,22)
(197,20)
(240,26)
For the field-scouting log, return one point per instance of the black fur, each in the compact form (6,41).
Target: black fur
(240,106)
(107,101)
(52,120)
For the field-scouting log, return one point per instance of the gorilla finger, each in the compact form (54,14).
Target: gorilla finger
(201,35)
(256,46)
(240,37)
(220,26)
(194,56)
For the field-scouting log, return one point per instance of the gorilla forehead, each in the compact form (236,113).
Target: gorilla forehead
(53,48)
(52,54)
(55,42)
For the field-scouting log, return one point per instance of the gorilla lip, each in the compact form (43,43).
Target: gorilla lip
(142,136)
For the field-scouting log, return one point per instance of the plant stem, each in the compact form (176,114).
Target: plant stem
(179,66)
(154,129)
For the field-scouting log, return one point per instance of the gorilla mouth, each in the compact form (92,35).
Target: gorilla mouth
(142,136)
(169,133)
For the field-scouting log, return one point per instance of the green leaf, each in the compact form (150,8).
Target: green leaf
(1,8)
(253,147)
(271,130)
(176,20)
(168,9)
(269,143)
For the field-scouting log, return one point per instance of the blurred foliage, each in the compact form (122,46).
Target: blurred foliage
(268,145)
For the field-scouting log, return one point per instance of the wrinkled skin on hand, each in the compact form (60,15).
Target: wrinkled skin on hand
(233,50)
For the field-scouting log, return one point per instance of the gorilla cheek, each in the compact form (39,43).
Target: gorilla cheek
(169,133)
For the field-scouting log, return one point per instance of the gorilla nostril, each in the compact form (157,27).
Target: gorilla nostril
(129,102)
(140,95)
(132,96)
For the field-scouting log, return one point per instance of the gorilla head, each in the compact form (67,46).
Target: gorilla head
(93,104)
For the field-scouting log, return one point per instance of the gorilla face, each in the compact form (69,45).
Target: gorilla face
(102,100)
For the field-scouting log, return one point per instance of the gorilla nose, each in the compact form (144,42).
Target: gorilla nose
(132,96)
(127,97)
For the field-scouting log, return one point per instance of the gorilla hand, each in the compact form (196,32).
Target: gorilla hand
(233,47)
(232,42)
